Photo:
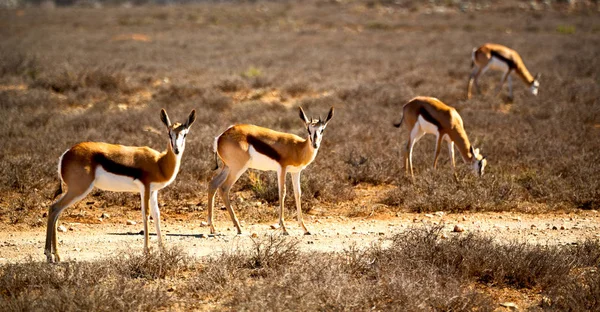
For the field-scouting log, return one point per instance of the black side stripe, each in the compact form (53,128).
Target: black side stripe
(509,62)
(427,116)
(117,168)
(263,148)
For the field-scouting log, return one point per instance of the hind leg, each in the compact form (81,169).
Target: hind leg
(72,196)
(232,177)
(213,186)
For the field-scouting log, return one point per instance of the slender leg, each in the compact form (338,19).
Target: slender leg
(451,152)
(297,197)
(510,88)
(415,135)
(473,80)
(281,183)
(72,196)
(232,177)
(438,147)
(156,216)
(145,197)
(502,81)
(213,186)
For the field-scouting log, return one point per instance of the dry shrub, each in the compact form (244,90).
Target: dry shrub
(65,79)
(73,286)
(19,64)
(295,89)
(232,85)
(153,265)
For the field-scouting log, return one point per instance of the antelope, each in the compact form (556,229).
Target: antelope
(121,169)
(498,57)
(429,115)
(245,146)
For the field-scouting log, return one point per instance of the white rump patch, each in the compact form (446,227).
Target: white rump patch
(113,182)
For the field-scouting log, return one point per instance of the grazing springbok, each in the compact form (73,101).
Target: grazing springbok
(498,57)
(429,115)
(244,146)
(121,169)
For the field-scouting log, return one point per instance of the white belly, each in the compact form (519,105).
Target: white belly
(112,182)
(497,64)
(261,162)
(426,126)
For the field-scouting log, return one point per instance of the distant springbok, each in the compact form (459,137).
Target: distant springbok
(244,146)
(429,115)
(121,169)
(498,57)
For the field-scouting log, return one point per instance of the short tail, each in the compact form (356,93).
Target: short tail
(398,124)
(215,143)
(58,191)
(216,162)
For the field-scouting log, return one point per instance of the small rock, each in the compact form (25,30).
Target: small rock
(274,226)
(458,228)
(464,218)
(510,305)
(257,204)
(428,215)
(171,289)
(254,235)
(562,227)
(554,228)
(381,233)
(439,213)
(533,226)
(45,215)
(89,203)
(61,228)
(71,228)
(444,236)
(105,215)
(131,222)
(76,249)
(203,223)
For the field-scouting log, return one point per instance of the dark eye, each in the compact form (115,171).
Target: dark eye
(184,135)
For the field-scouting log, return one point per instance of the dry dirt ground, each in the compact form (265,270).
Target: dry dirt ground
(86,238)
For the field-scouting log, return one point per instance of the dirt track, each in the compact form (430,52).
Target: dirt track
(93,241)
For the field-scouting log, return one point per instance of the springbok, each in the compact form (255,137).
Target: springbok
(498,57)
(244,146)
(121,169)
(429,115)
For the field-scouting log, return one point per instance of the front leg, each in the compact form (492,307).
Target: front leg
(145,197)
(281,183)
(502,81)
(297,197)
(156,216)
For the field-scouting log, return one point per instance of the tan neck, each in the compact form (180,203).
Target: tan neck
(169,162)
(308,151)
(461,141)
(524,74)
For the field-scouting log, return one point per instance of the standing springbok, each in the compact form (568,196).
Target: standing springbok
(121,169)
(498,57)
(243,146)
(429,115)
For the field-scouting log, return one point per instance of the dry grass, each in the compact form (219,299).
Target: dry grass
(541,150)
(420,271)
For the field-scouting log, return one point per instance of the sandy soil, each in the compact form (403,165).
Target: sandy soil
(330,234)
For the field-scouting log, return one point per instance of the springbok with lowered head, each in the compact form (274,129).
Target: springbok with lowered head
(429,115)
(244,146)
(121,169)
(498,57)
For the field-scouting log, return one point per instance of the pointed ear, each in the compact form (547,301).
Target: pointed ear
(165,118)
(330,115)
(191,118)
(302,115)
